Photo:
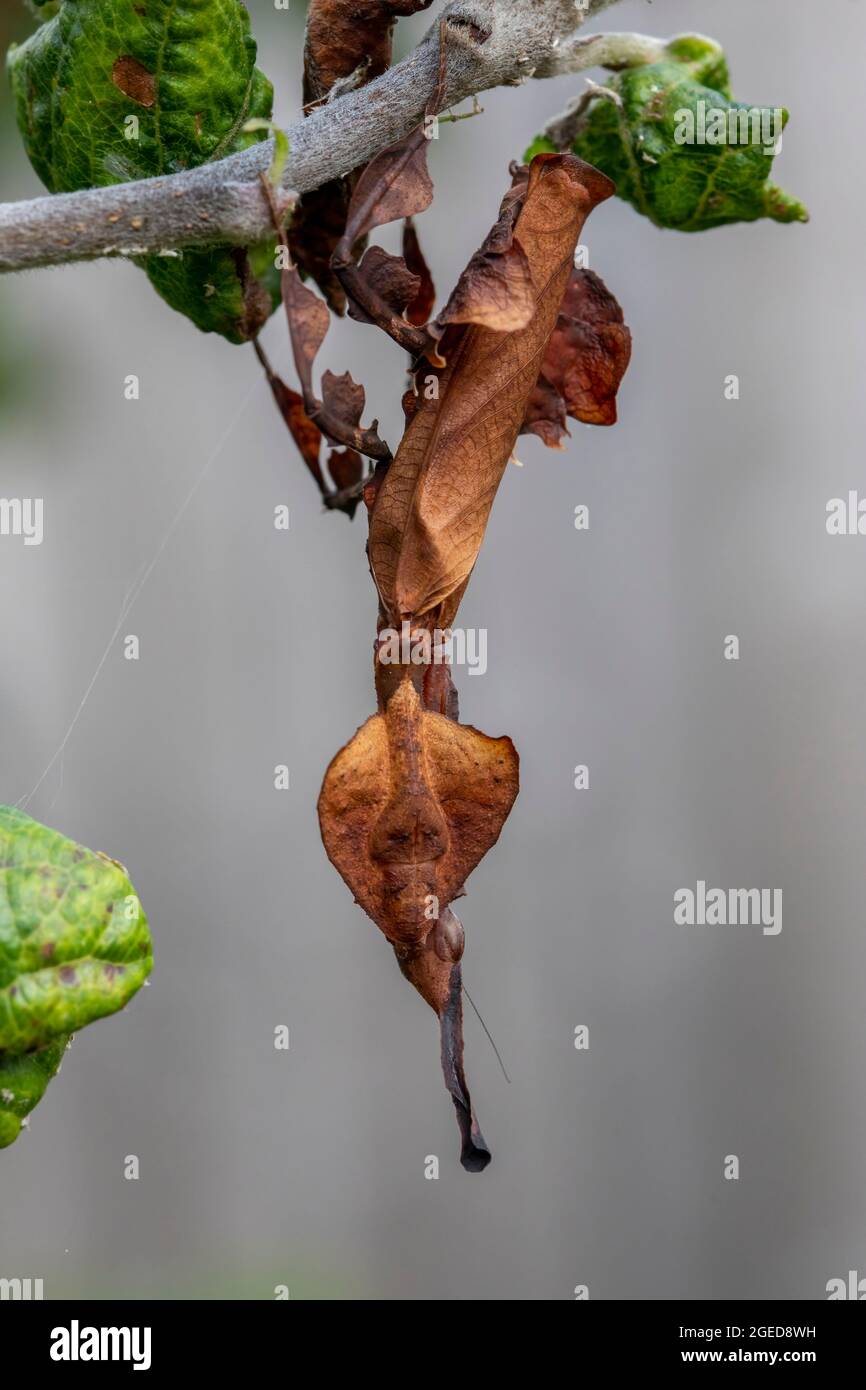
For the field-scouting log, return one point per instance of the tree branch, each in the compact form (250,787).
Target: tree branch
(491,43)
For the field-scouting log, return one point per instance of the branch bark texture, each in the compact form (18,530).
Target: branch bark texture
(490,43)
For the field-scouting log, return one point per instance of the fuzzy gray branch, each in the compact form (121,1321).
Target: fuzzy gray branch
(490,43)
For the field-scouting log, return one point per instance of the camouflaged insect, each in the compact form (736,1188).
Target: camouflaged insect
(107,91)
(74,947)
(678,148)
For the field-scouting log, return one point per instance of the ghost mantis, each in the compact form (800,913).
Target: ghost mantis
(415,799)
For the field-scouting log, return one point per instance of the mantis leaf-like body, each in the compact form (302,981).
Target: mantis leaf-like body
(432,508)
(414,801)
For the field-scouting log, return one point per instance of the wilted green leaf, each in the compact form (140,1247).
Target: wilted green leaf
(74,947)
(678,148)
(107,91)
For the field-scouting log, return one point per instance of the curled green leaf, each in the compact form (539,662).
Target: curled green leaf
(108,91)
(678,148)
(74,947)
(281,147)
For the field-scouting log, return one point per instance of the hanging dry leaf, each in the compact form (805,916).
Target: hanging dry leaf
(545,414)
(391,281)
(345,35)
(585,362)
(304,431)
(432,507)
(347,44)
(338,413)
(346,468)
(496,290)
(343,399)
(396,183)
(393,185)
(421,307)
(318,223)
(308,320)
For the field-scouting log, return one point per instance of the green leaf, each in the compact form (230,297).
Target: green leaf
(655,134)
(107,91)
(74,947)
(23,1081)
(540,145)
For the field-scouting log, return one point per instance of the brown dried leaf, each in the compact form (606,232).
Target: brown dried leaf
(343,35)
(431,510)
(390,279)
(585,362)
(496,289)
(304,431)
(338,413)
(308,320)
(346,468)
(347,44)
(394,184)
(343,398)
(545,414)
(421,307)
(318,222)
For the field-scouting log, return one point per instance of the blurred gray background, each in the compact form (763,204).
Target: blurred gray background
(707,517)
